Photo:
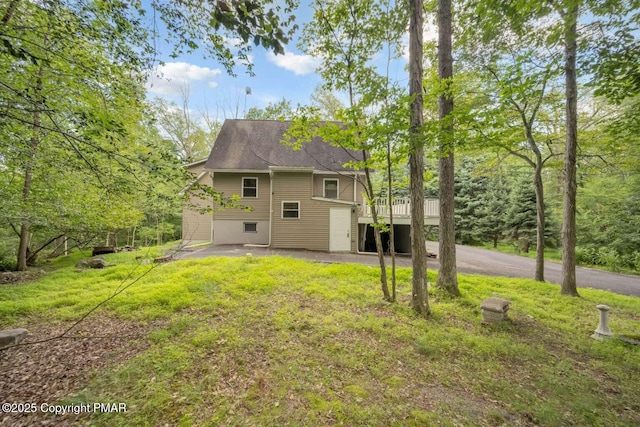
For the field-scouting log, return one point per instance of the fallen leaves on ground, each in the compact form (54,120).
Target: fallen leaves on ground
(47,372)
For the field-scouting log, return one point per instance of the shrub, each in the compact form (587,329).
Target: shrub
(607,257)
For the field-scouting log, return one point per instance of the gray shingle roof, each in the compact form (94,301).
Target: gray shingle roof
(255,145)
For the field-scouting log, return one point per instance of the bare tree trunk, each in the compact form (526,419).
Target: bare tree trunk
(447,275)
(374,212)
(25,225)
(33,255)
(419,297)
(23,246)
(540,222)
(376,231)
(392,244)
(571,142)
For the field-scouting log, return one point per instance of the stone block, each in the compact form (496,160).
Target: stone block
(494,310)
(12,336)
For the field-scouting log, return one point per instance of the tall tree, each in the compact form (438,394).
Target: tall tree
(564,35)
(70,106)
(570,35)
(519,72)
(345,33)
(191,140)
(447,277)
(615,13)
(526,121)
(420,297)
(70,86)
(58,98)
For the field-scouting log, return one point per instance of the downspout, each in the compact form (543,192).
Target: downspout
(355,191)
(355,202)
(270,205)
(212,203)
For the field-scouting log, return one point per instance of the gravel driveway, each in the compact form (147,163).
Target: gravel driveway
(469,260)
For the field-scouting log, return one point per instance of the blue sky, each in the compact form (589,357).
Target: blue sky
(291,76)
(211,90)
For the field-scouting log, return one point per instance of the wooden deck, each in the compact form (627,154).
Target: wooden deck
(401,209)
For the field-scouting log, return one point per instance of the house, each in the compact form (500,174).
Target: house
(302,199)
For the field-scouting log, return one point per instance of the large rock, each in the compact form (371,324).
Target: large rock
(12,336)
(95,262)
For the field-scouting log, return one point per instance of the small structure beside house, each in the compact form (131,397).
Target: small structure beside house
(297,199)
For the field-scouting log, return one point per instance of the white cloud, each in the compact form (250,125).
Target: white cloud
(173,78)
(233,43)
(299,64)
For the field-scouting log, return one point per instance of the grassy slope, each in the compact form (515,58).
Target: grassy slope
(277,341)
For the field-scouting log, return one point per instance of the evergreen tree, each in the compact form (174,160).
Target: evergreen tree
(521,213)
(492,222)
(469,201)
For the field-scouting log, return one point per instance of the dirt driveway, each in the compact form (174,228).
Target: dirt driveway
(469,260)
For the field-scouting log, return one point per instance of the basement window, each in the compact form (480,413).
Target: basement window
(250,227)
(291,210)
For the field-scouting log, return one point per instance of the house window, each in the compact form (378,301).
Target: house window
(291,210)
(250,227)
(249,187)
(330,188)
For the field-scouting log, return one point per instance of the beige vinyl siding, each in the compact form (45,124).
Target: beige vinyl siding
(196,227)
(345,189)
(311,230)
(345,186)
(231,232)
(231,183)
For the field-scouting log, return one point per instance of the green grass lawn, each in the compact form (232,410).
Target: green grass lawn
(277,341)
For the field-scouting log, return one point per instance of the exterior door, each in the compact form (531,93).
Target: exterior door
(339,229)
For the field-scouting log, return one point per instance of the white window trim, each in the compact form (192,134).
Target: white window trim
(282,209)
(324,187)
(244,227)
(242,187)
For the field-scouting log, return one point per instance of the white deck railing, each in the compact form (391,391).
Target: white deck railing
(401,208)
